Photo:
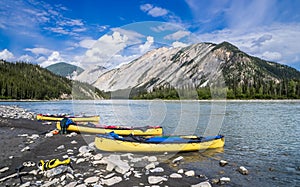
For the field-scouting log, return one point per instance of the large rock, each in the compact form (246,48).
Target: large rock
(115,162)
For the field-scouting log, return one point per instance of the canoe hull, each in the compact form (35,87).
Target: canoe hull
(75,119)
(106,144)
(157,131)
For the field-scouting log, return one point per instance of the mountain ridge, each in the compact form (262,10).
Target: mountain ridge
(65,69)
(202,65)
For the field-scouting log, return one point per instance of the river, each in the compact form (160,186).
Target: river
(260,135)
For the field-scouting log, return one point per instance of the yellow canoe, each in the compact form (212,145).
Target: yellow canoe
(157,144)
(140,131)
(74,118)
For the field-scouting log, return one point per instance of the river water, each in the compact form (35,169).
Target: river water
(260,135)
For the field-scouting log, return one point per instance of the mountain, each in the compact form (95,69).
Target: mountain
(200,67)
(65,70)
(90,75)
(28,81)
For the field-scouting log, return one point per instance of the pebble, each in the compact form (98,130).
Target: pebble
(73,142)
(98,157)
(61,147)
(49,134)
(178,159)
(180,171)
(80,160)
(84,149)
(175,176)
(81,185)
(156,179)
(91,180)
(190,173)
(224,180)
(71,184)
(109,175)
(243,170)
(111,181)
(150,166)
(50,183)
(157,170)
(25,184)
(152,159)
(27,148)
(223,163)
(4,169)
(202,184)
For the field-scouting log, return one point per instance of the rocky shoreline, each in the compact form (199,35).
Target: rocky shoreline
(26,141)
(15,112)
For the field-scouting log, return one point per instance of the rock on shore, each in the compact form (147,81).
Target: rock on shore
(15,112)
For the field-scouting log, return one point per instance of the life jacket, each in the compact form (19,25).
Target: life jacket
(46,165)
(64,123)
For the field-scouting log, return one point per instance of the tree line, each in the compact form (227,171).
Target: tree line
(21,80)
(286,89)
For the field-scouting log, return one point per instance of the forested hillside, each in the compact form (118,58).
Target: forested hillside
(64,69)
(28,81)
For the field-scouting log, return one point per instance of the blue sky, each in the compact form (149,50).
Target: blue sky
(109,33)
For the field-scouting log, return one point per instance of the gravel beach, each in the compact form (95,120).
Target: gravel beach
(24,142)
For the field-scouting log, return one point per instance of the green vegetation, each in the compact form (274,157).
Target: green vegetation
(28,81)
(288,89)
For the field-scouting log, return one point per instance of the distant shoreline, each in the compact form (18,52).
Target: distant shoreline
(173,100)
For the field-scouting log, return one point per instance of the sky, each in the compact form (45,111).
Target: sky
(109,33)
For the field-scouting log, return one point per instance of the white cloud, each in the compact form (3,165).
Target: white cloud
(272,56)
(104,49)
(87,43)
(26,58)
(39,51)
(71,22)
(146,7)
(6,55)
(59,30)
(153,11)
(277,42)
(147,46)
(177,35)
(157,12)
(41,59)
(133,36)
(52,59)
(166,26)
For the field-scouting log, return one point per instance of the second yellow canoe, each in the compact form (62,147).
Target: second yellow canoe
(139,131)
